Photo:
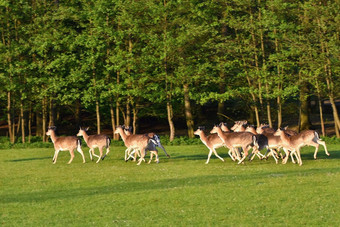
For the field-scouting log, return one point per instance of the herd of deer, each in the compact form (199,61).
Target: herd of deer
(246,137)
(239,140)
(136,144)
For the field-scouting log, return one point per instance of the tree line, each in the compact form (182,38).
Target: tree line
(167,56)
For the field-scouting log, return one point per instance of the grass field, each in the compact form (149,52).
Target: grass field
(179,191)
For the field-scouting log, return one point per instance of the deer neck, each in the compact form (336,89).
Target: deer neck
(53,136)
(123,135)
(86,137)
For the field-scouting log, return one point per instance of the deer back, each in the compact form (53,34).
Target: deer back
(239,138)
(214,141)
(66,143)
(98,141)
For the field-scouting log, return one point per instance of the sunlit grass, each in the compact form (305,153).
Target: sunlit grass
(181,190)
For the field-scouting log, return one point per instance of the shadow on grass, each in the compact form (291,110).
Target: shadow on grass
(149,186)
(28,159)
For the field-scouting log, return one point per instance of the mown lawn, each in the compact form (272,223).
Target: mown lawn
(179,191)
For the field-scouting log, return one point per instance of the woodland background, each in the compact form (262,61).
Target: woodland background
(167,66)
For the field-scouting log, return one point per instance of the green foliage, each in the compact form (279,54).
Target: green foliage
(140,53)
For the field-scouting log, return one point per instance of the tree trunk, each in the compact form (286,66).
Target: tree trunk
(170,117)
(113,123)
(30,123)
(77,112)
(9,118)
(38,131)
(335,116)
(188,113)
(135,119)
(127,121)
(279,111)
(117,107)
(98,116)
(254,106)
(220,105)
(22,121)
(304,108)
(51,113)
(44,118)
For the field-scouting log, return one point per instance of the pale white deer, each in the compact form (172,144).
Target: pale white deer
(64,143)
(95,141)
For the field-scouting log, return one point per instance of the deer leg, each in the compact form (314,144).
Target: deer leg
(274,156)
(94,153)
(90,151)
(284,161)
(107,151)
(209,155)
(245,150)
(72,156)
(323,143)
(81,152)
(230,153)
(100,154)
(142,157)
(217,155)
(151,156)
(55,156)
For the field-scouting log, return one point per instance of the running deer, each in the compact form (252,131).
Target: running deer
(64,143)
(267,140)
(264,128)
(94,141)
(152,146)
(291,143)
(239,126)
(232,140)
(139,142)
(312,138)
(212,142)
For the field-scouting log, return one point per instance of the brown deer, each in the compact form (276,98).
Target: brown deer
(232,140)
(94,141)
(264,128)
(290,144)
(64,143)
(211,141)
(139,142)
(312,138)
(152,146)
(239,126)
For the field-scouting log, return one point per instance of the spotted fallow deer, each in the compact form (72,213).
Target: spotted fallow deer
(64,143)
(232,140)
(94,141)
(139,142)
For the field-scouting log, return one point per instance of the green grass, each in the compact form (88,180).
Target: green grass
(179,191)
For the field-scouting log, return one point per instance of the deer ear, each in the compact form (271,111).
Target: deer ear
(86,129)
(285,128)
